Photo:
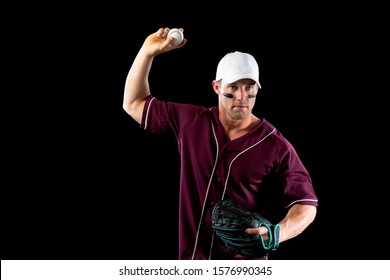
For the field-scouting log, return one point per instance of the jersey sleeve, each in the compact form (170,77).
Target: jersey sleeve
(297,182)
(161,117)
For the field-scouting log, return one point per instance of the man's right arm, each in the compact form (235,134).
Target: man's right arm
(137,85)
(137,82)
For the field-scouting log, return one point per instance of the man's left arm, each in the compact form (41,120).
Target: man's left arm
(297,219)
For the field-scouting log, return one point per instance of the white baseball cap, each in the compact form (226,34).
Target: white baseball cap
(237,65)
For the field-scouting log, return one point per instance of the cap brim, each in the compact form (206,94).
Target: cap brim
(235,78)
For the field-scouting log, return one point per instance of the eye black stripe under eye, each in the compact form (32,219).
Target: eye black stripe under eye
(228,95)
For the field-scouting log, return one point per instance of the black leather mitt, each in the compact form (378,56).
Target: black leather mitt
(229,222)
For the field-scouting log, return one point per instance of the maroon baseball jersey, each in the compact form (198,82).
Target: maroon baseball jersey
(260,171)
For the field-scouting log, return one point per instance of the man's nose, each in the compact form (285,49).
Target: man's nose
(241,94)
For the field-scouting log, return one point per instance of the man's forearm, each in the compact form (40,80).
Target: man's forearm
(298,218)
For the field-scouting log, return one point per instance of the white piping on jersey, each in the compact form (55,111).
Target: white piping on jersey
(230,165)
(299,200)
(147,113)
(207,193)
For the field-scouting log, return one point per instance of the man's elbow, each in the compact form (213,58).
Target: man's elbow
(134,110)
(127,108)
(312,213)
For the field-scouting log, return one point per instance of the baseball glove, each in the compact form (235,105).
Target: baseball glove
(229,222)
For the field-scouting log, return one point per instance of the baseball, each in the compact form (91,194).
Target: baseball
(177,35)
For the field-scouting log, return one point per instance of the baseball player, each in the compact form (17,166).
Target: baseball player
(226,152)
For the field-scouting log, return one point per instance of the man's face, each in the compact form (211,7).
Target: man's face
(238,98)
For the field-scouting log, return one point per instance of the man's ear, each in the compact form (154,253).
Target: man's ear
(216,86)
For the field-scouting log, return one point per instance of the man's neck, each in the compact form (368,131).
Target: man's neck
(235,128)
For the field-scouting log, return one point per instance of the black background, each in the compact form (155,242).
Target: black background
(83,181)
